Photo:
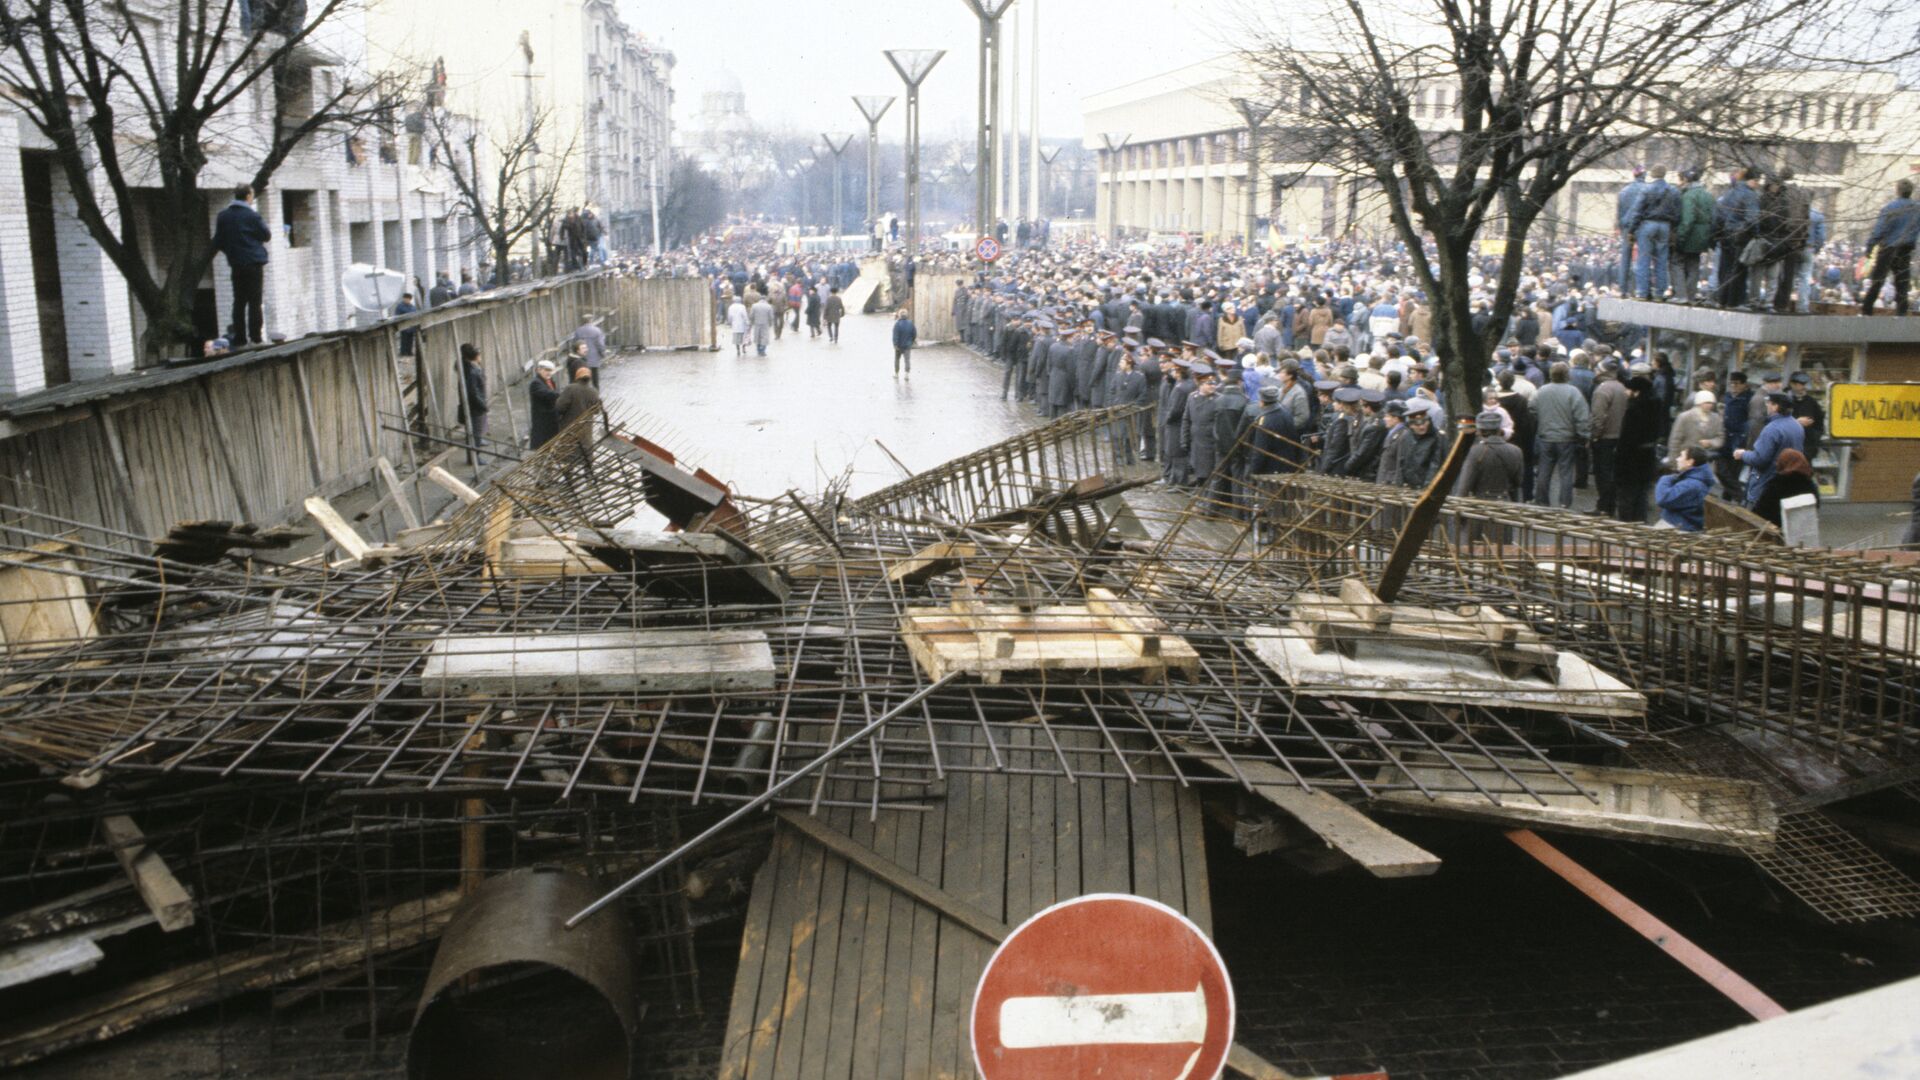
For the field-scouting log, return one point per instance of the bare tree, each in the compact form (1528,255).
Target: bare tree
(131,96)
(1471,116)
(694,203)
(504,181)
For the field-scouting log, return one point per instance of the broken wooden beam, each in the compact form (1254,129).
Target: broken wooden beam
(452,484)
(1380,851)
(171,904)
(342,534)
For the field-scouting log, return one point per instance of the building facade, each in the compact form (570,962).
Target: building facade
(337,201)
(1184,165)
(604,90)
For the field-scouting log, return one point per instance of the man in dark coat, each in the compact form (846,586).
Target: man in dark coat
(578,399)
(1061,357)
(1394,416)
(473,400)
(1807,410)
(1735,216)
(542,422)
(1173,450)
(1363,456)
(1495,468)
(1230,420)
(1196,427)
(1336,437)
(242,236)
(1126,386)
(1420,452)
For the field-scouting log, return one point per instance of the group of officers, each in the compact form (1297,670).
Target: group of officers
(1218,419)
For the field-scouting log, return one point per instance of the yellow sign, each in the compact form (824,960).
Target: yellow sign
(1874,411)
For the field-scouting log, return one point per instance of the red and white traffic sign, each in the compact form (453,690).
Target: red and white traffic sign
(1106,985)
(987,248)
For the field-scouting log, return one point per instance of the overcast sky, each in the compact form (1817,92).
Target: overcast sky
(799,64)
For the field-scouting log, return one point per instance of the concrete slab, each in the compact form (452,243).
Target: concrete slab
(1761,326)
(615,661)
(1400,674)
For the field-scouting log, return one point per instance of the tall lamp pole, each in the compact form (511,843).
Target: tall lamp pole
(873,107)
(837,142)
(1255,114)
(1114,144)
(1047,154)
(987,151)
(914,65)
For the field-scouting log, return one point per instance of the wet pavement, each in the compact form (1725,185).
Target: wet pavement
(811,408)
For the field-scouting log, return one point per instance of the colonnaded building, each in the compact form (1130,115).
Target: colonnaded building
(1183,152)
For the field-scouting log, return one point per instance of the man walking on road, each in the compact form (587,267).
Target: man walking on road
(834,311)
(762,326)
(241,235)
(904,335)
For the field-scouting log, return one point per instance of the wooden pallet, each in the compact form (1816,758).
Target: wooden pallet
(991,640)
(1356,619)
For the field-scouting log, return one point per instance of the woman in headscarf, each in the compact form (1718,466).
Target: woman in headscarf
(1634,462)
(1793,475)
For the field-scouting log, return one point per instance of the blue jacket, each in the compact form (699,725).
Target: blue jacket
(1657,201)
(1736,211)
(1897,226)
(1631,197)
(1682,497)
(1734,414)
(1782,432)
(904,334)
(241,235)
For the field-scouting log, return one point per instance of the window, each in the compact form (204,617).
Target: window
(296,217)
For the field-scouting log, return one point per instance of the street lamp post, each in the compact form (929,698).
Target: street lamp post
(913,65)
(1254,113)
(837,142)
(1047,154)
(1114,144)
(873,107)
(803,172)
(987,151)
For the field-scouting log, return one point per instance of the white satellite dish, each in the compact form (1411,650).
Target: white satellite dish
(372,290)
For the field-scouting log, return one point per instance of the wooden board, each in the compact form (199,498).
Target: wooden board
(859,963)
(43,601)
(1382,852)
(680,660)
(165,897)
(989,640)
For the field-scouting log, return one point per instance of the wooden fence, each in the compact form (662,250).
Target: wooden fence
(249,437)
(933,305)
(664,313)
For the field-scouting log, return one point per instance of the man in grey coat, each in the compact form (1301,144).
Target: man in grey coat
(1562,419)
(762,316)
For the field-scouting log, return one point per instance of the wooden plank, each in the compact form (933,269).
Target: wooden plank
(398,492)
(1130,622)
(870,1001)
(904,832)
(922,1017)
(1116,867)
(771,998)
(336,527)
(165,897)
(863,892)
(1383,853)
(1193,861)
(122,473)
(806,883)
(452,483)
(746,979)
(962,921)
(304,398)
(811,1035)
(224,443)
(931,561)
(1166,837)
(1375,614)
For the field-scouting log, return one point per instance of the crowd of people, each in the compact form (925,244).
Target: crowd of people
(1323,359)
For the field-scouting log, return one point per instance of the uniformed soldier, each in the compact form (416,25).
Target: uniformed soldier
(1060,367)
(1368,437)
(1172,450)
(1337,436)
(1196,426)
(1230,422)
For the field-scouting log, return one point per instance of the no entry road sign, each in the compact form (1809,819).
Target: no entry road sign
(987,248)
(1106,985)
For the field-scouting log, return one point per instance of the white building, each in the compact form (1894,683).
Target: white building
(1183,168)
(66,312)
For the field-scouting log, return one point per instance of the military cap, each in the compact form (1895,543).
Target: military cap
(1372,397)
(1801,378)
(1326,384)
(1396,407)
(1347,394)
(1269,393)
